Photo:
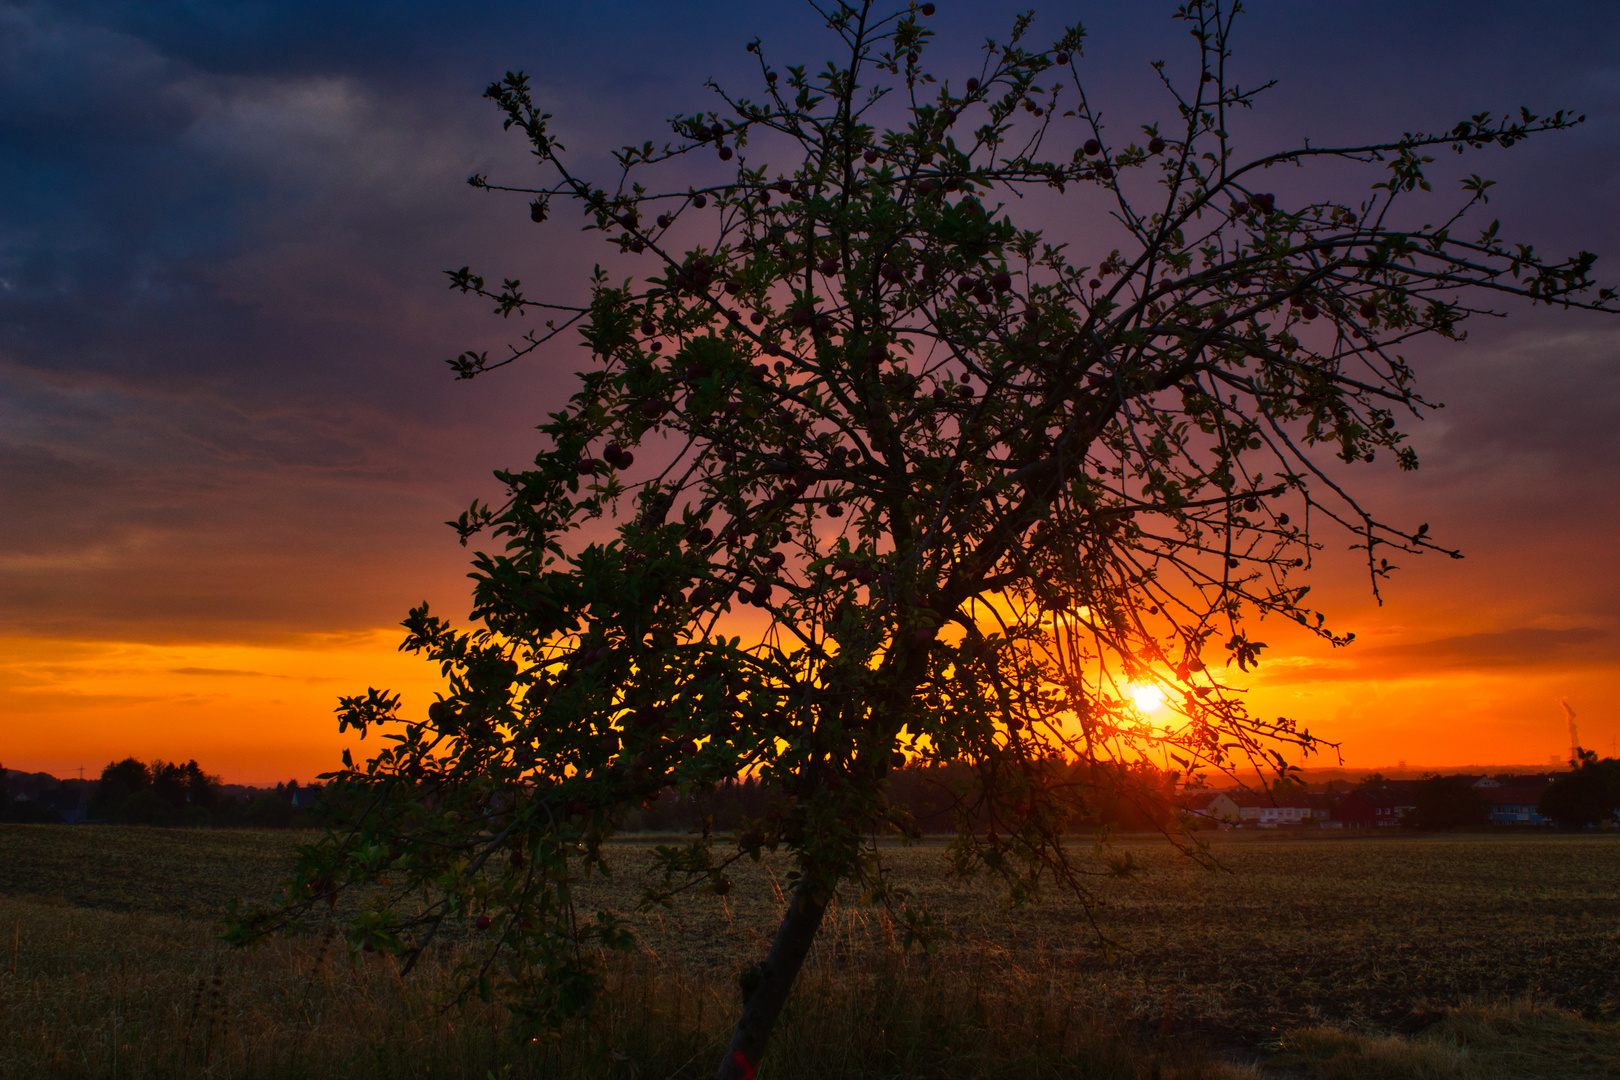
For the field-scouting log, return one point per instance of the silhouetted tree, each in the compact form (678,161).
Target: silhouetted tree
(1588,795)
(1448,802)
(160,793)
(982,486)
(119,780)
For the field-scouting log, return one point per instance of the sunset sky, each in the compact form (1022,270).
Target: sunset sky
(228,438)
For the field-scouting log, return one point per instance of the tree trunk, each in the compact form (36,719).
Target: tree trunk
(774,980)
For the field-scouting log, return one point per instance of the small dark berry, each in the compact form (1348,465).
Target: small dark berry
(973,86)
(1092,146)
(1001,282)
(700,201)
(537,211)
(647,328)
(1061,58)
(725,153)
(927,9)
(1155,145)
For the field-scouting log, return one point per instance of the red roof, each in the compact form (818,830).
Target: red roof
(1512,796)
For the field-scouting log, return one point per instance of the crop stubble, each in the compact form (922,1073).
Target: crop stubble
(1293,931)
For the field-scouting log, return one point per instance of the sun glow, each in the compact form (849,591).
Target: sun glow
(1146,697)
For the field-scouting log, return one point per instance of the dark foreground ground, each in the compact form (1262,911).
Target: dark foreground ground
(1294,943)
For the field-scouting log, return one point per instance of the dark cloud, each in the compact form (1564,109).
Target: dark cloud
(228,672)
(223,411)
(1525,645)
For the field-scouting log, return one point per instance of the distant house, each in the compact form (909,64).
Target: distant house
(1265,812)
(1214,806)
(71,803)
(1516,805)
(1367,808)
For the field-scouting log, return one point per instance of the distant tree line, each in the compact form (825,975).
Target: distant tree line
(932,798)
(1585,797)
(169,793)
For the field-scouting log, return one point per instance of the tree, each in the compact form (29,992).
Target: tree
(1448,802)
(987,490)
(1373,783)
(1587,796)
(162,793)
(119,781)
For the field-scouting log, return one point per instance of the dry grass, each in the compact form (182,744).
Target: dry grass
(103,994)
(1478,1042)
(1359,958)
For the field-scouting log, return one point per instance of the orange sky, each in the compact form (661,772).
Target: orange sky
(1456,668)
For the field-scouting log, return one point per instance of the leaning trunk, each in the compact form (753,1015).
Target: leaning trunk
(769,983)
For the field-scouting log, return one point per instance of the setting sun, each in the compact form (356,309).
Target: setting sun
(1146,697)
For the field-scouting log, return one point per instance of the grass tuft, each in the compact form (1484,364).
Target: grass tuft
(1520,1040)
